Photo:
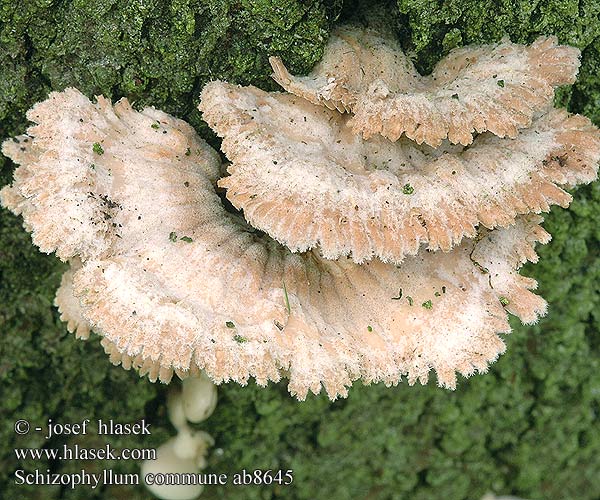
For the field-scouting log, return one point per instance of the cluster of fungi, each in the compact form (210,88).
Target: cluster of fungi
(382,216)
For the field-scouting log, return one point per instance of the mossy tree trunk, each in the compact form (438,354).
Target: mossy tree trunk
(529,427)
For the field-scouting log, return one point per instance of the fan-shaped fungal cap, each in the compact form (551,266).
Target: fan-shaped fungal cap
(474,89)
(180,284)
(62,194)
(302,177)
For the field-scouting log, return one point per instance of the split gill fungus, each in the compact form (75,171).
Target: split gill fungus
(380,254)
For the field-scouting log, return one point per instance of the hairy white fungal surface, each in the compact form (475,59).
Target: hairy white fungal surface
(79,158)
(303,177)
(495,88)
(173,282)
(68,305)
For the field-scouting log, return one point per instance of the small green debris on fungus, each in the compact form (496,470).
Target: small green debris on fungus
(427,304)
(369,328)
(239,339)
(500,83)
(399,295)
(173,236)
(155,126)
(188,152)
(504,301)
(229,324)
(408,189)
(187,239)
(286,299)
(410,300)
(97,148)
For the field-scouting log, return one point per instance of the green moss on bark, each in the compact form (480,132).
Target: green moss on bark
(528,427)
(155,52)
(430,28)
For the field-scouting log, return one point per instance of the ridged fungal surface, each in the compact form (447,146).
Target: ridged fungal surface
(302,176)
(355,253)
(496,88)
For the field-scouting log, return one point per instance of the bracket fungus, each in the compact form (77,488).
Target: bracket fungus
(176,283)
(301,175)
(496,88)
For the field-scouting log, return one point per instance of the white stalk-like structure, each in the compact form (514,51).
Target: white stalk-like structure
(185,453)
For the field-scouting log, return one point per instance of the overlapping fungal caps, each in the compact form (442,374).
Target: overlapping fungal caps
(175,283)
(300,174)
(496,88)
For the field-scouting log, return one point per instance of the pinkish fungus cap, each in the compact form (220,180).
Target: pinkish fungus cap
(496,88)
(175,283)
(300,174)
